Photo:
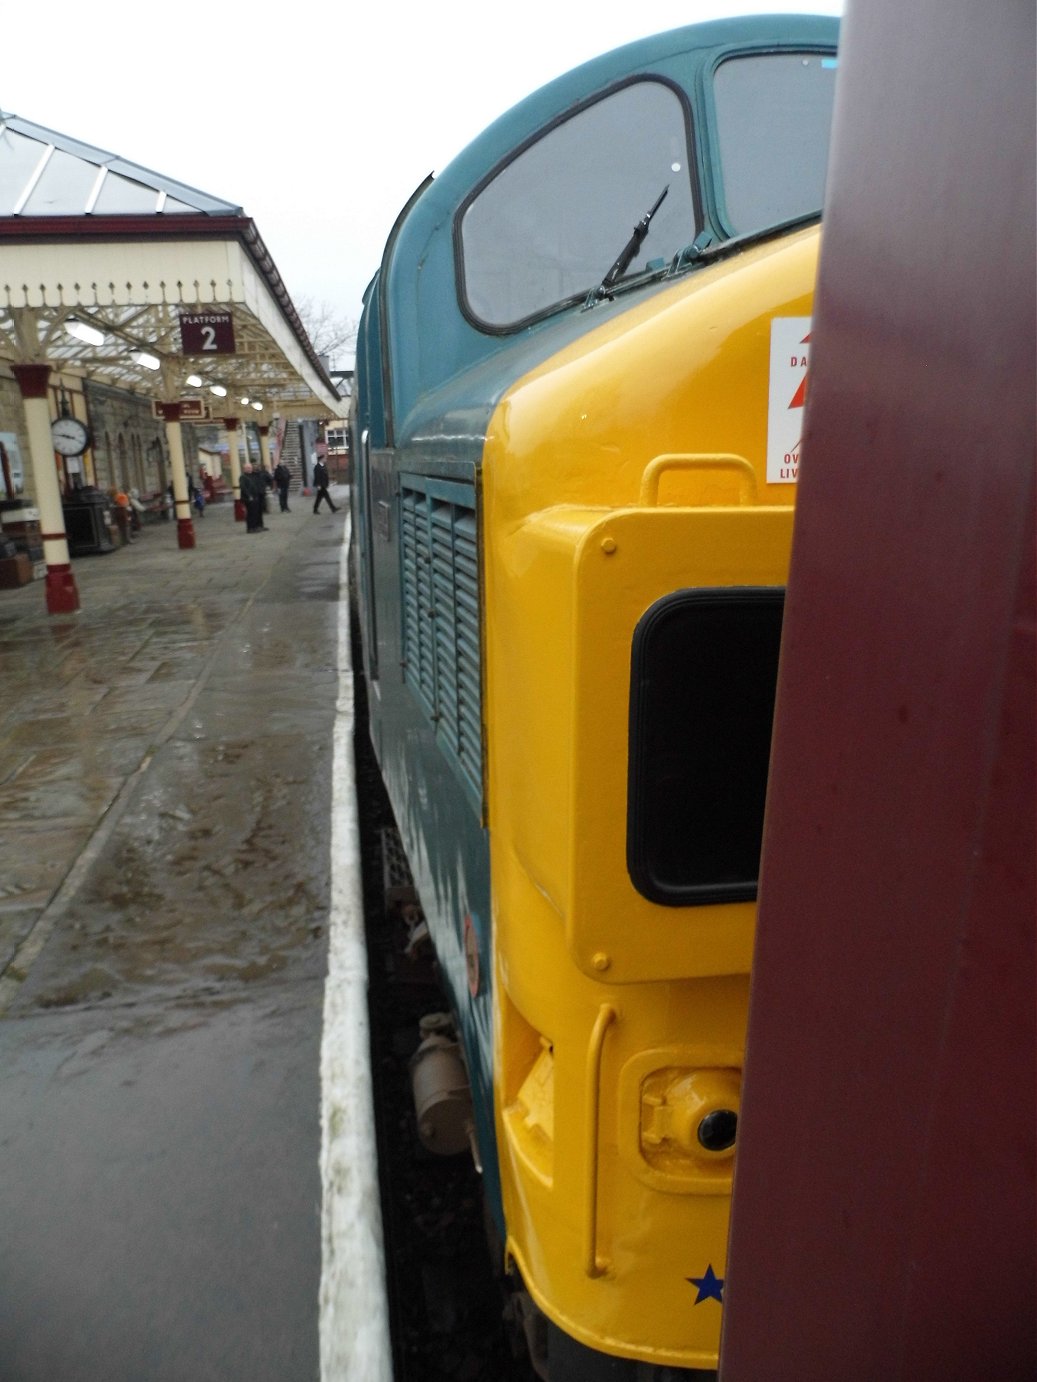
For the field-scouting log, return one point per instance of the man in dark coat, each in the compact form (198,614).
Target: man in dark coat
(282,479)
(252,491)
(320,484)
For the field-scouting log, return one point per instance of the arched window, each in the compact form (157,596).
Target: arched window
(123,480)
(105,470)
(156,470)
(137,461)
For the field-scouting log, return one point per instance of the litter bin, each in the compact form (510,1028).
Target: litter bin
(88,522)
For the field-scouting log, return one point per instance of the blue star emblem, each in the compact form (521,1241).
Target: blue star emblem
(710,1286)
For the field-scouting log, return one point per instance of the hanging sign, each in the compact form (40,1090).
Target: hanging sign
(207,333)
(191,409)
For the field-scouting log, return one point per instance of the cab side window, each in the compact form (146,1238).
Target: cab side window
(773,118)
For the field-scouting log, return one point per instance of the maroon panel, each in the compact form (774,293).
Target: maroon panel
(32,380)
(883,1221)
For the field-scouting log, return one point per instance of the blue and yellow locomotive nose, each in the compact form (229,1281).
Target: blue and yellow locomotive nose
(636,547)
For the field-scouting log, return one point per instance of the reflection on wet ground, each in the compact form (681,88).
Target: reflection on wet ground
(192,698)
(194,888)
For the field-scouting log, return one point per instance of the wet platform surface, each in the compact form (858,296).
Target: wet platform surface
(165,789)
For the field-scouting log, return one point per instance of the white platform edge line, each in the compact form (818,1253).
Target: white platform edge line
(354,1315)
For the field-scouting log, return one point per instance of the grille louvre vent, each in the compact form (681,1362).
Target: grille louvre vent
(441,650)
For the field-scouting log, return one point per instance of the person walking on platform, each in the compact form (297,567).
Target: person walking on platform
(282,479)
(320,484)
(253,491)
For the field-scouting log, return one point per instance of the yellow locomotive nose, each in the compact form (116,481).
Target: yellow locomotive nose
(689,1114)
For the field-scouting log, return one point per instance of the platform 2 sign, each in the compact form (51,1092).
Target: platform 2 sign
(207,333)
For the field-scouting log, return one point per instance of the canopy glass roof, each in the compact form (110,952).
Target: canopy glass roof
(43,173)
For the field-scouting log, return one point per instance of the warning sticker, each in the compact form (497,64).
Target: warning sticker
(790,368)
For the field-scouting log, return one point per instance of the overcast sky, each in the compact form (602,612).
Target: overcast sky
(318,119)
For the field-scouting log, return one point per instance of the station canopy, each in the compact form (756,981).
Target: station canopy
(101,262)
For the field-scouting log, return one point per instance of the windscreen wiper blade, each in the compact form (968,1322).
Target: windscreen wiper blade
(631,247)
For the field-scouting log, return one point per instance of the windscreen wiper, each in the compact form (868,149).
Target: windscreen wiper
(628,251)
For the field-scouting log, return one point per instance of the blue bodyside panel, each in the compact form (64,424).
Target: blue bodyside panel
(370,400)
(432,797)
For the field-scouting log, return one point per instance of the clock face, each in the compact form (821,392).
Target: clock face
(70,437)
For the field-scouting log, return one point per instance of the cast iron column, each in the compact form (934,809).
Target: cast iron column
(62,594)
(231,424)
(184,524)
(263,428)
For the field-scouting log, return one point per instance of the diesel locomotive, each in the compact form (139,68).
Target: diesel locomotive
(581,372)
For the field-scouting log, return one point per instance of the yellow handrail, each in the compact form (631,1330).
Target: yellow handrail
(720,460)
(593,1264)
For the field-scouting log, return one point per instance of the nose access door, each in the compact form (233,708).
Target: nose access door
(677,623)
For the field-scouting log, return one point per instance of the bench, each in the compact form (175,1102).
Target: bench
(155,506)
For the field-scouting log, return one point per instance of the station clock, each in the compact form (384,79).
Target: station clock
(69,436)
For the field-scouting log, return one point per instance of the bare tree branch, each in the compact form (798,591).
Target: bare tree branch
(329,331)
